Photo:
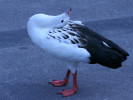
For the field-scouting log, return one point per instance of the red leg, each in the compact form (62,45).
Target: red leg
(61,82)
(74,89)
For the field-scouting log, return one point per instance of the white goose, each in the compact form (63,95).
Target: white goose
(73,42)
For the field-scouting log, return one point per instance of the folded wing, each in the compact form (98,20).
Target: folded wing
(102,50)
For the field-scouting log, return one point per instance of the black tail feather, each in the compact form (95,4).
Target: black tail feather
(109,58)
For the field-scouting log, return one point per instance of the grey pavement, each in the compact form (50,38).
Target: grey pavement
(25,69)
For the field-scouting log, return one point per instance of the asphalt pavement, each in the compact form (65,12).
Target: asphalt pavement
(25,69)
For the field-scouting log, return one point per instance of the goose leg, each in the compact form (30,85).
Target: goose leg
(73,90)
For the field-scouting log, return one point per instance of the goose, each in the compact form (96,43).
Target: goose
(72,42)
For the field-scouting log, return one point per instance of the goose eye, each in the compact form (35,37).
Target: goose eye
(62,21)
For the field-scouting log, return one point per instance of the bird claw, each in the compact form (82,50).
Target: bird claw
(58,82)
(68,92)
(48,82)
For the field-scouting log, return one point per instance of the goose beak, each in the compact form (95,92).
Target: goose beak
(68,12)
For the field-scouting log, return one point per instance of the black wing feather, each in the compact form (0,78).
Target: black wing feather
(110,57)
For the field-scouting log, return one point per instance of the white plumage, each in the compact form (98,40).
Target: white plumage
(54,35)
